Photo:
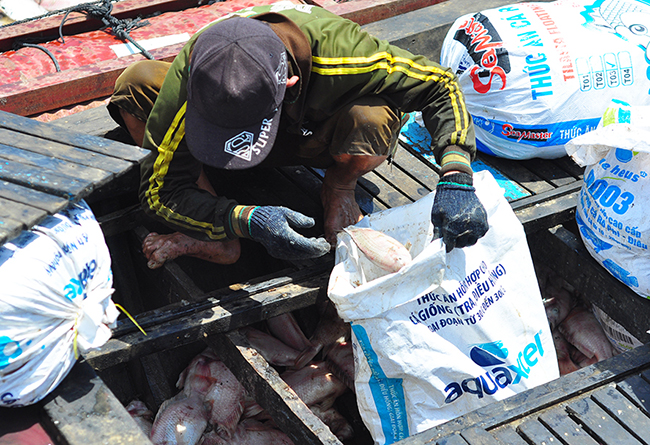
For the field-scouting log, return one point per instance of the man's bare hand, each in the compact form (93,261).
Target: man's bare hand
(160,248)
(340,210)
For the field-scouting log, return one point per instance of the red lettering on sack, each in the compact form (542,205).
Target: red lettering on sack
(483,88)
(489,59)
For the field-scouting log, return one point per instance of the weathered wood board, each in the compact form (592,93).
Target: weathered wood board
(46,167)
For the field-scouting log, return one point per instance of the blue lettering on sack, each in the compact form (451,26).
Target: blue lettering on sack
(387,393)
(541,135)
(8,399)
(498,374)
(9,349)
(77,286)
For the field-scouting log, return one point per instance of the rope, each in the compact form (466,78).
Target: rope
(18,44)
(97,10)
(120,27)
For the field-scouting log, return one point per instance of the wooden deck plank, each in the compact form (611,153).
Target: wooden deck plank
(549,171)
(53,164)
(82,408)
(453,439)
(12,212)
(637,390)
(518,173)
(38,149)
(536,399)
(535,433)
(549,211)
(399,180)
(15,192)
(567,164)
(219,317)
(383,191)
(269,390)
(365,194)
(45,181)
(62,135)
(508,435)
(9,228)
(478,436)
(593,418)
(424,173)
(626,413)
(557,420)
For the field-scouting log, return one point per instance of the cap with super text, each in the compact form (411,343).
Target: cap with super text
(236,85)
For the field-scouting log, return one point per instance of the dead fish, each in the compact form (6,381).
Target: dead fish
(337,424)
(582,330)
(558,302)
(142,415)
(315,384)
(197,377)
(286,328)
(274,351)
(383,250)
(331,329)
(225,399)
(249,432)
(340,361)
(563,352)
(181,420)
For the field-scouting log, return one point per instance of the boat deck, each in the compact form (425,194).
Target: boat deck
(44,168)
(185,305)
(192,310)
(606,403)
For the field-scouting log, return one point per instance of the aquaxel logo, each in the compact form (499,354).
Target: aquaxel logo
(485,47)
(499,370)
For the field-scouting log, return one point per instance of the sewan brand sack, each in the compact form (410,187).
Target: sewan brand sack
(449,332)
(612,211)
(535,75)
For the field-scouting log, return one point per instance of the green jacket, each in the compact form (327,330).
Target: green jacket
(336,63)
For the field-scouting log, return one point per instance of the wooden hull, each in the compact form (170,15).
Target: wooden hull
(188,305)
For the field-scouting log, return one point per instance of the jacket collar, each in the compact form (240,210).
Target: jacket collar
(299,51)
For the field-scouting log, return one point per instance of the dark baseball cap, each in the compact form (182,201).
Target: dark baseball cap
(237,81)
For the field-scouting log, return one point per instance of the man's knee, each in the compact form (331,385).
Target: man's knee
(137,89)
(373,128)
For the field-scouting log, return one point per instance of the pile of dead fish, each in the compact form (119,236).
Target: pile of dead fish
(578,336)
(213,408)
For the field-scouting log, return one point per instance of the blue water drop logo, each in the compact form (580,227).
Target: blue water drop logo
(623,155)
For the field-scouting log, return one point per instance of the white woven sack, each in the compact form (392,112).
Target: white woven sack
(537,74)
(54,303)
(449,332)
(612,211)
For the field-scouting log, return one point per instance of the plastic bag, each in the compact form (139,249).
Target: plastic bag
(535,75)
(612,212)
(447,333)
(55,303)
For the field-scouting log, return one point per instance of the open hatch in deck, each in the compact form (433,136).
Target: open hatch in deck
(187,304)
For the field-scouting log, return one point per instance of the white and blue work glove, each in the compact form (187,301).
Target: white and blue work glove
(457,215)
(273,227)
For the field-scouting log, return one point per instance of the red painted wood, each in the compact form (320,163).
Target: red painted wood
(369,11)
(78,23)
(89,67)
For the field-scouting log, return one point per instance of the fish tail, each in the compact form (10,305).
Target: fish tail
(306,356)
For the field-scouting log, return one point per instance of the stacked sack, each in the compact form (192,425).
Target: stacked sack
(614,199)
(55,303)
(536,75)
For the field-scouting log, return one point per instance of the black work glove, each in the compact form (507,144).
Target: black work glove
(273,228)
(457,214)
